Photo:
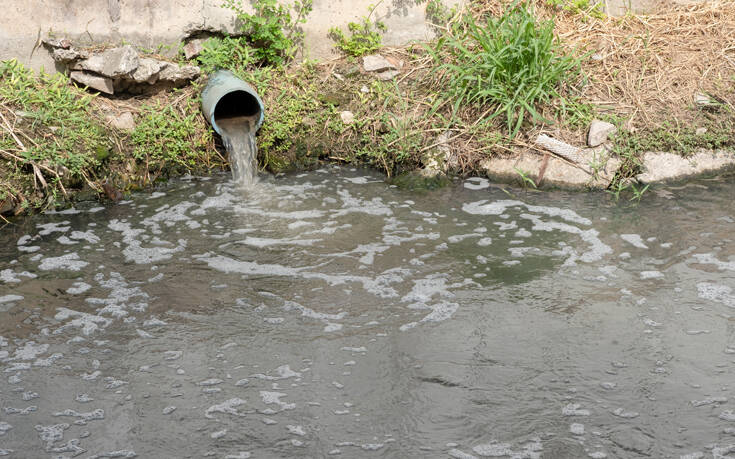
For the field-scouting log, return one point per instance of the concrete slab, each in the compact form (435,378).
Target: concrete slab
(669,167)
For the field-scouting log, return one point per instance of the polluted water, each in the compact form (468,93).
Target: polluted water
(238,136)
(333,315)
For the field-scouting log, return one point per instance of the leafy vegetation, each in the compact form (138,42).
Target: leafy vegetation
(365,37)
(512,64)
(592,8)
(165,137)
(47,129)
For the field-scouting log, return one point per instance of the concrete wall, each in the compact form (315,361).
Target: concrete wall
(150,23)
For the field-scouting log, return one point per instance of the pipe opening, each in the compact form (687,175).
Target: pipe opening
(237,104)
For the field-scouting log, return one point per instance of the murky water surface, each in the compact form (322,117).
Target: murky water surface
(329,314)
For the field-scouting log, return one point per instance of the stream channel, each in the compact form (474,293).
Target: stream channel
(328,314)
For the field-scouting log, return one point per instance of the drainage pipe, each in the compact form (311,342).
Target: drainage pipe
(227,96)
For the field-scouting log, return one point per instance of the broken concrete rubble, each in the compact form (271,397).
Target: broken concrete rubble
(376,63)
(549,171)
(599,132)
(120,69)
(668,167)
(99,83)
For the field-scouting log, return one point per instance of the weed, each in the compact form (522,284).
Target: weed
(54,119)
(511,63)
(225,53)
(272,32)
(166,137)
(365,36)
(594,9)
(525,179)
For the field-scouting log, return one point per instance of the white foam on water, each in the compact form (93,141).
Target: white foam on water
(218,434)
(11,277)
(88,323)
(634,239)
(226,407)
(476,183)
(269,242)
(78,288)
(69,261)
(49,228)
(378,286)
(136,253)
(29,351)
(374,206)
(710,259)
(4,427)
(645,275)
(718,293)
(10,298)
(296,430)
(270,398)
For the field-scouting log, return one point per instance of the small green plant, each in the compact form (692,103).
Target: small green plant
(594,9)
(272,32)
(512,64)
(166,137)
(439,14)
(525,179)
(52,131)
(225,53)
(365,37)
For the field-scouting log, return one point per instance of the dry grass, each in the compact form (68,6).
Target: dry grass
(649,68)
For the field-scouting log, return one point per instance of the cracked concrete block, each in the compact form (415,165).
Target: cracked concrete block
(667,167)
(100,83)
(112,63)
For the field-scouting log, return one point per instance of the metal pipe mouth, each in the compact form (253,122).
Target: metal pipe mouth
(237,103)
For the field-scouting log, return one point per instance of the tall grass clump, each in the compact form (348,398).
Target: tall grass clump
(512,64)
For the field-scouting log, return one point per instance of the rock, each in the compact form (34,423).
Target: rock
(701,131)
(177,74)
(65,56)
(599,132)
(364,89)
(147,71)
(100,83)
(663,167)
(193,49)
(376,63)
(387,75)
(113,63)
(702,100)
(347,117)
(60,43)
(123,122)
(549,171)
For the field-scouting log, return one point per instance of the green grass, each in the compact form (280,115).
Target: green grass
(512,64)
(365,36)
(169,138)
(56,125)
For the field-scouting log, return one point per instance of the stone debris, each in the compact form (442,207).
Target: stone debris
(702,100)
(119,69)
(599,132)
(701,131)
(123,122)
(387,75)
(663,167)
(550,171)
(377,63)
(112,63)
(347,117)
(147,71)
(193,49)
(100,83)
